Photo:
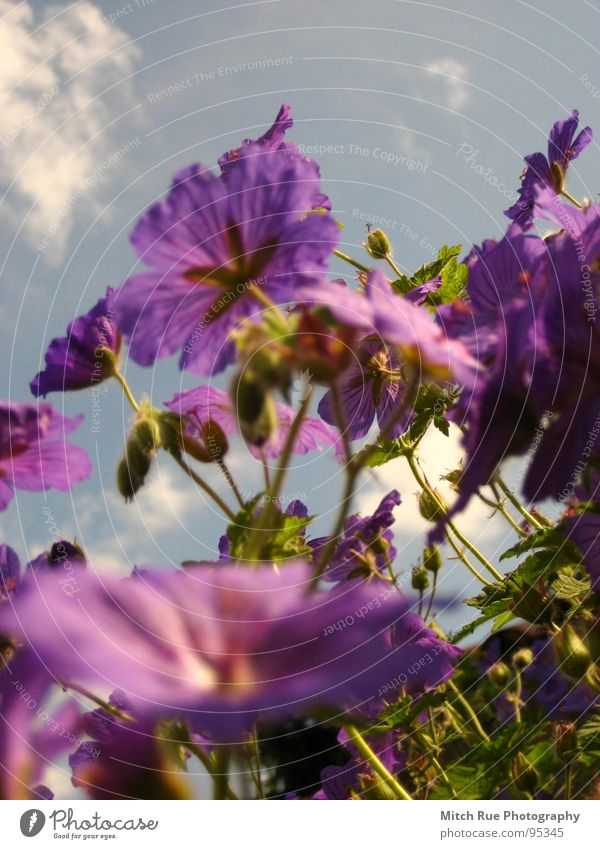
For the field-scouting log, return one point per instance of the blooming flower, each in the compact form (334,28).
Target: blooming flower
(370,389)
(543,178)
(217,249)
(26,745)
(10,572)
(274,140)
(125,759)
(86,355)
(33,452)
(393,319)
(501,274)
(584,530)
(365,539)
(206,403)
(227,645)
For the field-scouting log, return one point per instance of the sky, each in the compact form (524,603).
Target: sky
(419,114)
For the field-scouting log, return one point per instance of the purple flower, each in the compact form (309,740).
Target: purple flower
(33,452)
(370,389)
(224,646)
(366,542)
(10,572)
(216,249)
(26,745)
(64,555)
(208,403)
(355,779)
(86,355)
(125,759)
(543,178)
(420,344)
(584,530)
(545,687)
(274,140)
(501,274)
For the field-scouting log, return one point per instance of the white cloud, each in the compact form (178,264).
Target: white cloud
(451,75)
(437,456)
(55,133)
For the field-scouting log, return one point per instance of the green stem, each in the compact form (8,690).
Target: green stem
(220,776)
(569,781)
(499,506)
(472,715)
(457,533)
(274,492)
(344,509)
(462,557)
(352,262)
(100,702)
(367,753)
(393,266)
(516,696)
(231,481)
(182,463)
(265,465)
(432,596)
(126,390)
(208,764)
(517,504)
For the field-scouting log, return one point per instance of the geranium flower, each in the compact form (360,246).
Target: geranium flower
(206,403)
(217,250)
(543,179)
(363,536)
(224,646)
(82,358)
(33,452)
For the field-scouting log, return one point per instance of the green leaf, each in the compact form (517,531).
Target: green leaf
(455,276)
(569,588)
(284,540)
(548,538)
(426,272)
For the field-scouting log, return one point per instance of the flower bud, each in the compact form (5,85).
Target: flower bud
(565,744)
(261,429)
(132,471)
(573,657)
(378,244)
(321,350)
(453,477)
(63,550)
(431,508)
(379,546)
(420,579)
(499,675)
(249,398)
(522,659)
(142,444)
(530,604)
(146,432)
(215,439)
(432,559)
(524,774)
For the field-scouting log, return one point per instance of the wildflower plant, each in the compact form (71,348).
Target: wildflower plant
(299,665)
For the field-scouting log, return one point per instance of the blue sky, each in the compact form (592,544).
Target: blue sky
(422,112)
